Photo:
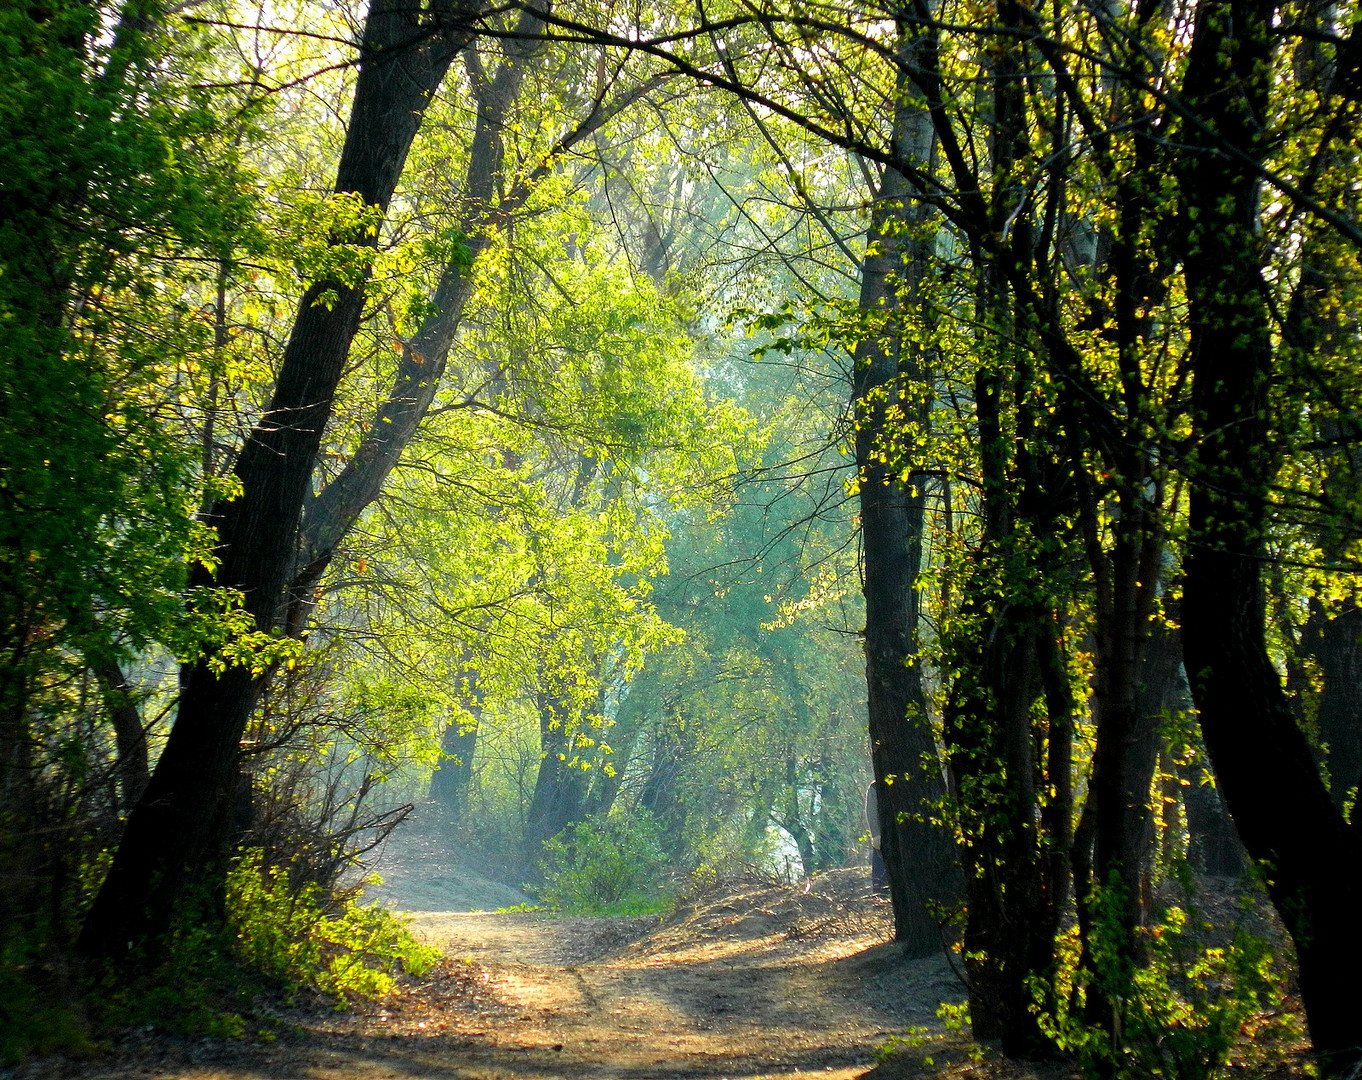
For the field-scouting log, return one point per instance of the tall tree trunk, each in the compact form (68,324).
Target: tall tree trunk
(793,819)
(1161,692)
(1311,858)
(1006,641)
(1214,846)
(333,511)
(1337,649)
(604,788)
(891,380)
(166,848)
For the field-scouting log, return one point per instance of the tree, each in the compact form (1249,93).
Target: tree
(120,191)
(174,830)
(1311,858)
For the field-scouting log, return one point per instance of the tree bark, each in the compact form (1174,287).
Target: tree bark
(1005,644)
(166,847)
(661,795)
(450,783)
(560,786)
(891,380)
(333,511)
(1310,857)
(1337,649)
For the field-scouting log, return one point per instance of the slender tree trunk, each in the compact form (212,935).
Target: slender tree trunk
(793,820)
(167,845)
(1215,848)
(605,787)
(1311,858)
(333,511)
(1337,649)
(1005,644)
(130,737)
(1161,692)
(661,791)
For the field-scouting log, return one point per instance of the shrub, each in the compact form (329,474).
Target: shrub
(39,1014)
(606,865)
(300,937)
(1180,1012)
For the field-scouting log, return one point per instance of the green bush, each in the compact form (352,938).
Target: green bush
(295,938)
(1177,1014)
(609,865)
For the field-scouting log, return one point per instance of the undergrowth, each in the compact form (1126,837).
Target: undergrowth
(281,942)
(299,938)
(1179,1012)
(606,865)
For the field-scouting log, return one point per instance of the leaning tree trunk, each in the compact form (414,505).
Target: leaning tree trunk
(1311,857)
(1337,649)
(332,512)
(167,845)
(133,767)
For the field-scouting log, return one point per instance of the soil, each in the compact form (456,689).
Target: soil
(749,978)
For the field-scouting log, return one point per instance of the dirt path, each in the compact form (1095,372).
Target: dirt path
(770,982)
(743,999)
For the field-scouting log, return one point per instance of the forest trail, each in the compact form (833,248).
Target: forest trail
(756,980)
(747,984)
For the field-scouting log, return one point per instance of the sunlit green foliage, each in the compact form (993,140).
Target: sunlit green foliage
(299,938)
(1182,1011)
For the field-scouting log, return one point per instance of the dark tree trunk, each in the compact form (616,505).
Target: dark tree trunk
(130,738)
(1214,845)
(1014,897)
(1161,692)
(449,784)
(1337,650)
(1006,644)
(1311,858)
(332,513)
(560,786)
(604,788)
(891,380)
(793,821)
(1006,648)
(167,845)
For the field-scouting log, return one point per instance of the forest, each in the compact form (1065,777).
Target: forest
(613,435)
